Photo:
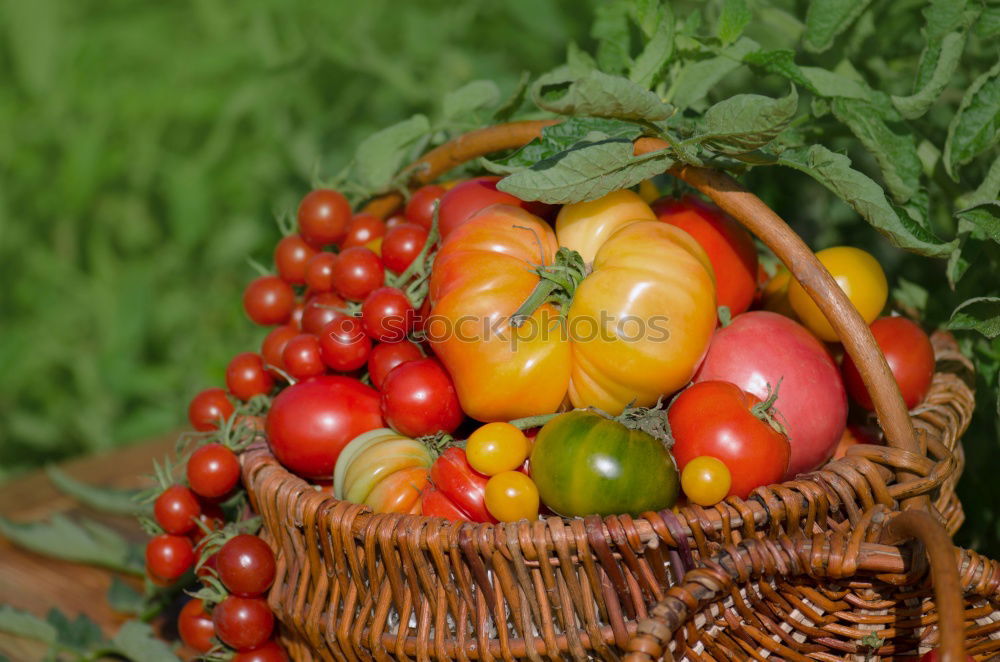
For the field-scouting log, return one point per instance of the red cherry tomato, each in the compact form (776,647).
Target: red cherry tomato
(402,243)
(394,220)
(176,510)
(195,626)
(386,356)
(274,344)
(716,419)
(213,471)
(464,200)
(211,518)
(363,228)
(302,357)
(452,475)
(729,246)
(246,376)
(357,272)
(310,422)
(319,272)
(910,355)
(269,652)
(435,504)
(418,398)
(323,217)
(296,318)
(246,565)
(243,623)
(168,557)
(290,258)
(321,309)
(420,206)
(344,346)
(209,408)
(387,315)
(269,300)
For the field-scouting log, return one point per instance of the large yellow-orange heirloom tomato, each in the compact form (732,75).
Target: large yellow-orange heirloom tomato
(621,309)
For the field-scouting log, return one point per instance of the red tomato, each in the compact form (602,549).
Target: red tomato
(357,272)
(243,623)
(464,200)
(246,376)
(209,408)
(323,217)
(213,471)
(195,626)
(758,349)
(394,220)
(932,656)
(246,565)
(290,258)
(717,419)
(387,355)
(302,357)
(420,206)
(176,510)
(418,398)
(319,272)
(402,243)
(387,315)
(274,344)
(211,518)
(310,422)
(344,345)
(363,228)
(296,318)
(435,504)
(729,247)
(169,557)
(269,652)
(461,484)
(268,300)
(321,309)
(910,355)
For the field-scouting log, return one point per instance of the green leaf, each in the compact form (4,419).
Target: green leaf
(24,624)
(910,295)
(946,56)
(745,122)
(597,94)
(896,153)
(834,171)
(980,314)
(696,79)
(815,79)
(558,138)
(380,156)
(610,29)
(985,216)
(988,25)
(470,98)
(80,634)
(976,125)
(647,14)
(124,598)
(104,499)
(733,20)
(647,69)
(826,19)
(137,641)
(514,101)
(585,173)
(83,541)
(988,189)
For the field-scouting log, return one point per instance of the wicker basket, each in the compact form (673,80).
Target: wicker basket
(355,585)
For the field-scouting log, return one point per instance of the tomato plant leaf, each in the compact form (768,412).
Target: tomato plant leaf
(104,499)
(515,100)
(745,122)
(79,634)
(826,19)
(980,314)
(597,94)
(611,31)
(945,57)
(976,125)
(648,67)
(470,97)
(83,541)
(985,216)
(25,624)
(733,20)
(585,173)
(696,79)
(124,598)
(988,24)
(558,138)
(137,641)
(380,155)
(910,295)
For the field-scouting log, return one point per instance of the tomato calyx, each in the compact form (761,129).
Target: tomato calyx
(558,283)
(765,411)
(439,442)
(651,420)
(725,316)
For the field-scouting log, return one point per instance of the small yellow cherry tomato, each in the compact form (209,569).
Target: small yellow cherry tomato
(861,278)
(705,480)
(496,447)
(648,191)
(512,496)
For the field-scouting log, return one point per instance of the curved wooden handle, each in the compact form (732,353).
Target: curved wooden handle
(757,217)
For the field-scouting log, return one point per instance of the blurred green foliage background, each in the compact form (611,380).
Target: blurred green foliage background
(147,147)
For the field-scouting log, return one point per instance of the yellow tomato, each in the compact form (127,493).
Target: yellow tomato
(774,296)
(585,226)
(648,191)
(861,278)
(512,496)
(706,480)
(496,447)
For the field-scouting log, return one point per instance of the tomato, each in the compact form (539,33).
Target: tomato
(268,300)
(269,652)
(636,328)
(363,229)
(422,203)
(394,220)
(861,278)
(323,217)
(246,376)
(706,480)
(511,496)
(729,246)
(209,408)
(320,310)
(302,357)
(296,317)
(464,200)
(433,503)
(343,344)
(586,464)
(932,656)
(168,557)
(454,478)
(195,626)
(213,471)
(585,226)
(387,315)
(401,245)
(387,355)
(910,355)
(357,272)
(319,272)
(211,519)
(246,565)
(775,294)
(243,623)
(383,470)
(418,398)
(718,419)
(291,256)
(496,447)
(310,422)
(855,434)
(759,349)
(176,510)
(274,344)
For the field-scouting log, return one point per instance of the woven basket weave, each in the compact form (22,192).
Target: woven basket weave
(557,588)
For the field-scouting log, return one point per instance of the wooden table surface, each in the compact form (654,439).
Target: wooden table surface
(37,584)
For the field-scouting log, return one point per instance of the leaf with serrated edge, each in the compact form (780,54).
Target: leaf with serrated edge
(470,98)
(380,156)
(558,138)
(948,55)
(980,314)
(137,641)
(745,122)
(826,19)
(697,78)
(610,29)
(985,216)
(734,18)
(597,94)
(647,69)
(24,624)
(976,125)
(104,499)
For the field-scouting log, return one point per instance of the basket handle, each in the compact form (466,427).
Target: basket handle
(757,217)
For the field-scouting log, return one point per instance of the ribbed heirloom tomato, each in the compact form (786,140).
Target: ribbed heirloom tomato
(383,470)
(639,321)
